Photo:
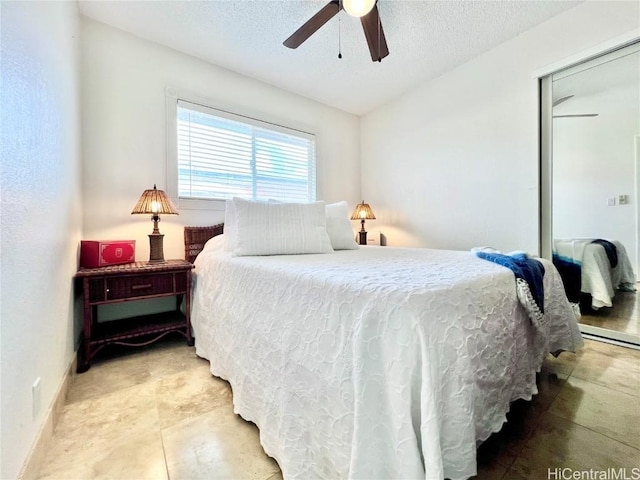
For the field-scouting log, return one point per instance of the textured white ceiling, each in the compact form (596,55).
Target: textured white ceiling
(425,38)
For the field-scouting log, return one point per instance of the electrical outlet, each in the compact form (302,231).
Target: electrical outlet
(35,397)
(623,199)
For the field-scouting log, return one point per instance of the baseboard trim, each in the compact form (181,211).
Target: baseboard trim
(32,464)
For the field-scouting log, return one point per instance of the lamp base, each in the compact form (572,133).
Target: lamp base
(156,253)
(363,237)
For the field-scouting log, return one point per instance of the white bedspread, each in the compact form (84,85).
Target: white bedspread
(373,363)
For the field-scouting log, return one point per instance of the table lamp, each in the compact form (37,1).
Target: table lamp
(363,212)
(155,202)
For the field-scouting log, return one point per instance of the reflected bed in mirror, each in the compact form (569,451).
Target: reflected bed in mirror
(598,276)
(593,270)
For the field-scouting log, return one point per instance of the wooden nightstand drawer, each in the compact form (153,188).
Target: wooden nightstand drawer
(139,286)
(181,281)
(96,290)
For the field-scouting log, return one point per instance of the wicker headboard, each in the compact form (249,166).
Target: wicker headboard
(196,237)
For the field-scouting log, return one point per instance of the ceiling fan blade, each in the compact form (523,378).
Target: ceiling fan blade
(312,25)
(562,100)
(577,115)
(375,35)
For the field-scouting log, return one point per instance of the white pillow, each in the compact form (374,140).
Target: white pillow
(339,227)
(230,226)
(231,223)
(215,244)
(338,209)
(280,228)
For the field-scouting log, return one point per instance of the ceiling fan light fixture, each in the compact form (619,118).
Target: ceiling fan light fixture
(358,8)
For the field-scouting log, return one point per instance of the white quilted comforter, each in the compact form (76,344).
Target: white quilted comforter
(373,363)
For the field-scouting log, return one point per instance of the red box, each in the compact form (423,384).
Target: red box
(100,253)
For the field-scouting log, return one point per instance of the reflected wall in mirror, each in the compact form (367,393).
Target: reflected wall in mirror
(594,145)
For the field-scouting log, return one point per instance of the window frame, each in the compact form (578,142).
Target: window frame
(230,111)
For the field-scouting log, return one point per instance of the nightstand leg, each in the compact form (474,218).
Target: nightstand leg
(83,364)
(187,311)
(84,352)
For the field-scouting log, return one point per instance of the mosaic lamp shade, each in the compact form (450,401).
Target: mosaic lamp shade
(155,202)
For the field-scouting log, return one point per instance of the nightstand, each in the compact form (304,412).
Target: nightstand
(127,283)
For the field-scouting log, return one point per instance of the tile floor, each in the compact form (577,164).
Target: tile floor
(158,413)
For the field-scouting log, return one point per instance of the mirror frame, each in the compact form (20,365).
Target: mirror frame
(545,156)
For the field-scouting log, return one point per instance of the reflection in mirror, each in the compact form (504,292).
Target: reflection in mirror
(595,133)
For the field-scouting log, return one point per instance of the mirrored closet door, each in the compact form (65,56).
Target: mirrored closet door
(590,117)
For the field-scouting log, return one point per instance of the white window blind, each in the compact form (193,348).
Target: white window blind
(222,155)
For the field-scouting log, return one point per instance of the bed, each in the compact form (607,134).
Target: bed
(593,269)
(375,362)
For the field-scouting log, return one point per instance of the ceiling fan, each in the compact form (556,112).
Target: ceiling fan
(574,115)
(367,10)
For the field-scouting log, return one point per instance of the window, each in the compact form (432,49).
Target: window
(221,155)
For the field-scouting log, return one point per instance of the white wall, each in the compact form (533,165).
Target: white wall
(454,163)
(125,134)
(594,160)
(40,217)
